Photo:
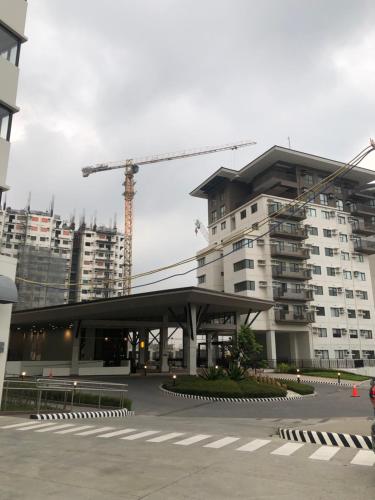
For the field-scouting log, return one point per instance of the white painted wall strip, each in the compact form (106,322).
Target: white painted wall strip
(75,429)
(23,424)
(165,437)
(193,439)
(116,433)
(221,442)
(364,457)
(325,453)
(287,449)
(54,428)
(140,435)
(254,445)
(94,431)
(28,427)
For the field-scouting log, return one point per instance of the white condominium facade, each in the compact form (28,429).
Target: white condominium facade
(12,29)
(315,263)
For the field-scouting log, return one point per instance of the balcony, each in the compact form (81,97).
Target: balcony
(287,231)
(293,213)
(292,295)
(364,245)
(362,227)
(361,208)
(301,274)
(288,251)
(302,318)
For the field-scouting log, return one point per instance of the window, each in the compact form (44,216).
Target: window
(223,225)
(341,219)
(322,332)
(316,270)
(320,311)
(343,238)
(335,312)
(331,271)
(368,354)
(243,214)
(328,252)
(332,291)
(340,204)
(242,243)
(347,275)
(222,211)
(345,255)
(318,290)
(214,230)
(367,334)
(362,294)
(321,353)
(351,313)
(312,231)
(366,314)
(361,258)
(353,334)
(327,233)
(9,46)
(5,122)
(87,244)
(349,294)
(201,261)
(326,214)
(361,276)
(233,223)
(340,354)
(201,279)
(242,286)
(323,198)
(308,179)
(315,250)
(243,264)
(336,333)
(213,215)
(254,208)
(311,212)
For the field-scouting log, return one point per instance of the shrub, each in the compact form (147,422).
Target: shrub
(299,388)
(285,368)
(212,373)
(236,372)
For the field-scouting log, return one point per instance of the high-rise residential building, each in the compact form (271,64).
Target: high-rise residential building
(12,27)
(314,262)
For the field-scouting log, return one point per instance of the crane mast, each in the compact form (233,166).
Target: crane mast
(131,167)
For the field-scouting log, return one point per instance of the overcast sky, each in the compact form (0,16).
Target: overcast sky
(103,81)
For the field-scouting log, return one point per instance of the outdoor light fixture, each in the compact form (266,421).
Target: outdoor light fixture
(145,368)
(142,344)
(216,367)
(75,383)
(339,377)
(23,375)
(174,379)
(299,378)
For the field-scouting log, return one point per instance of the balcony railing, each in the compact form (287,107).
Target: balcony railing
(301,274)
(287,231)
(289,252)
(304,295)
(363,245)
(292,317)
(361,208)
(362,227)
(293,213)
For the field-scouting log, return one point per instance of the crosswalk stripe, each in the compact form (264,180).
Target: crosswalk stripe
(14,426)
(165,437)
(28,427)
(54,428)
(254,445)
(116,433)
(324,453)
(94,431)
(140,435)
(221,442)
(364,457)
(192,440)
(287,449)
(75,429)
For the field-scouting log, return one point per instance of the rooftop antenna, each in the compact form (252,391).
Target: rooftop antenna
(115,221)
(5,202)
(52,205)
(288,142)
(28,203)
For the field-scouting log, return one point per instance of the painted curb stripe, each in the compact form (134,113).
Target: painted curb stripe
(82,414)
(327,438)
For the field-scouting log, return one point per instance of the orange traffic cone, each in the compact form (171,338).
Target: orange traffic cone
(355,392)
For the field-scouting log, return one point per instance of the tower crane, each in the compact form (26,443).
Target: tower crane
(131,167)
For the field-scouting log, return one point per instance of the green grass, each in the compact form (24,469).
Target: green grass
(225,388)
(299,388)
(333,374)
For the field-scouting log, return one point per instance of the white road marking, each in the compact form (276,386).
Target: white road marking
(140,435)
(325,453)
(14,426)
(287,449)
(194,439)
(254,445)
(54,428)
(94,431)
(221,442)
(165,437)
(75,429)
(40,426)
(364,457)
(116,433)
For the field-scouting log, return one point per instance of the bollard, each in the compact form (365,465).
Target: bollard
(299,378)
(145,368)
(338,377)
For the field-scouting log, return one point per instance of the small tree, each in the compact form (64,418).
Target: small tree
(245,350)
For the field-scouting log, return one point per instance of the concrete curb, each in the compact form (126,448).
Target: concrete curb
(292,396)
(82,414)
(327,438)
(312,380)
